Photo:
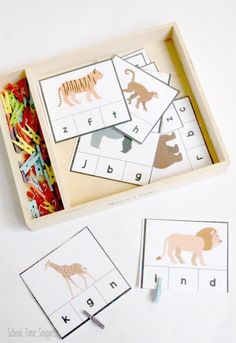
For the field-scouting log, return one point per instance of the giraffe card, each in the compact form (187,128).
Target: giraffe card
(83,100)
(75,277)
(188,255)
(110,154)
(147,99)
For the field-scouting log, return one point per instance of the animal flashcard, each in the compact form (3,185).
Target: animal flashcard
(188,255)
(110,154)
(152,69)
(147,98)
(187,139)
(83,100)
(139,58)
(75,277)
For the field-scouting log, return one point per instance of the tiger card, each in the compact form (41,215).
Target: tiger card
(146,96)
(186,255)
(84,100)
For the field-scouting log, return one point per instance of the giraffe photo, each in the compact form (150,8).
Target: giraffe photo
(67,271)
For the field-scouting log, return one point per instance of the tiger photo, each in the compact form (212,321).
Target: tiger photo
(69,89)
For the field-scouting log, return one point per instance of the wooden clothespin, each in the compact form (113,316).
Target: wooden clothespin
(50,173)
(157,290)
(94,320)
(49,207)
(33,135)
(6,102)
(17,112)
(24,146)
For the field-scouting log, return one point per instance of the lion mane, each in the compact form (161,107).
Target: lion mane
(207,235)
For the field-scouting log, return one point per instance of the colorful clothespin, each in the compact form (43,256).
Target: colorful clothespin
(37,193)
(29,163)
(38,167)
(157,290)
(48,180)
(32,134)
(40,155)
(4,96)
(24,146)
(49,207)
(94,320)
(35,182)
(34,209)
(24,176)
(50,173)
(17,112)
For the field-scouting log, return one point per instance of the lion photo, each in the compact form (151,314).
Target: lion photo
(205,239)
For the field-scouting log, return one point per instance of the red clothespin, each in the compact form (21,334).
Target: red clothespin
(51,198)
(37,192)
(43,211)
(22,134)
(44,151)
(34,196)
(24,88)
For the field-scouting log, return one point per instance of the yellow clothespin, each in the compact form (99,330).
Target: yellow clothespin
(33,135)
(49,207)
(6,102)
(16,113)
(24,146)
(50,173)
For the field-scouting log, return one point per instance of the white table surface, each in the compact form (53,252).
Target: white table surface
(32,30)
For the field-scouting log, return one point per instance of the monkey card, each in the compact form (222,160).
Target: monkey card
(75,277)
(187,255)
(83,100)
(147,99)
(177,147)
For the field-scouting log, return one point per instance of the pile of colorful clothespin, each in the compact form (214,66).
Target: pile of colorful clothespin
(28,141)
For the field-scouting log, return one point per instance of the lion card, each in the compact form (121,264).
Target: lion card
(187,255)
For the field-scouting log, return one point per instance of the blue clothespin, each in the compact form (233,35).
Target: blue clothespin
(29,163)
(157,290)
(38,167)
(34,209)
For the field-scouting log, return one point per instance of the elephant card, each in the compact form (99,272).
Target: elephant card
(75,277)
(187,255)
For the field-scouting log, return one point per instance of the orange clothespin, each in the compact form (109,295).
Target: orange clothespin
(24,146)
(33,135)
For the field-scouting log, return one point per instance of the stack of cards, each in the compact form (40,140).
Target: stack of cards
(131,126)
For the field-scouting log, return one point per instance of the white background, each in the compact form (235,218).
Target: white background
(32,30)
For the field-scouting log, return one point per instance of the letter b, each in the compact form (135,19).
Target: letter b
(109,169)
